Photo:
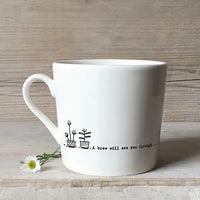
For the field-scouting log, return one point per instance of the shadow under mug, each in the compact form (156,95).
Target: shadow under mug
(109,113)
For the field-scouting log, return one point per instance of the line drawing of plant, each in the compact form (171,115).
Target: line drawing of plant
(69,124)
(70,141)
(73,133)
(70,135)
(84,144)
(67,136)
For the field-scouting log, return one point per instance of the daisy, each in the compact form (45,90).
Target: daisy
(31,164)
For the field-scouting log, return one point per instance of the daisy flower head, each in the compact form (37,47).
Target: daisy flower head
(31,164)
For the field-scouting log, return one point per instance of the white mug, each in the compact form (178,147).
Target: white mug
(109,113)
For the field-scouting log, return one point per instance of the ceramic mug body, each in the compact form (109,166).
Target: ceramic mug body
(109,114)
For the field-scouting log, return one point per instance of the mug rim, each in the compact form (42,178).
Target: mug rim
(111,62)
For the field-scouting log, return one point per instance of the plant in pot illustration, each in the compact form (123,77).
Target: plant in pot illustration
(84,144)
(70,136)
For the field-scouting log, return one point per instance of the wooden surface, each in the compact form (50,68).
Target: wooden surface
(33,34)
(176,176)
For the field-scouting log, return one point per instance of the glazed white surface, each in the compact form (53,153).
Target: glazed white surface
(118,101)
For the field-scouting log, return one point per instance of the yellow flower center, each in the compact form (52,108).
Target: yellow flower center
(32,164)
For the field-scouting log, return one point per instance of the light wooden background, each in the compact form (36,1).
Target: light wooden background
(34,33)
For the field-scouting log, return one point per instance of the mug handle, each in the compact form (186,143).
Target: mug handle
(45,120)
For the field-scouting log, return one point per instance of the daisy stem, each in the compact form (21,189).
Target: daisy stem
(45,157)
(56,150)
(39,156)
(44,161)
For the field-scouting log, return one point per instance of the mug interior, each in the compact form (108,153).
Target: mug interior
(113,62)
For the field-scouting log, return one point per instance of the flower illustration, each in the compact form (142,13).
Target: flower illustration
(69,122)
(73,133)
(30,164)
(70,136)
(66,135)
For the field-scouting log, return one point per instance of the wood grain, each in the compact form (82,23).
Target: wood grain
(176,176)
(33,34)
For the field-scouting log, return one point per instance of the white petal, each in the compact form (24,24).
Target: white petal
(28,158)
(34,158)
(35,169)
(25,167)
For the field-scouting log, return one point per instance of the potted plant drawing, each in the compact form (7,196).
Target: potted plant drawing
(70,136)
(84,144)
